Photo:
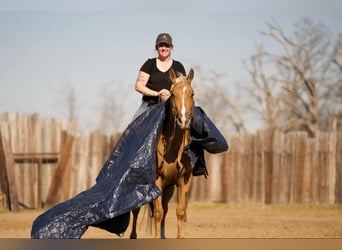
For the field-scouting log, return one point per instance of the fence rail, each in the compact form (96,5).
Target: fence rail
(43,162)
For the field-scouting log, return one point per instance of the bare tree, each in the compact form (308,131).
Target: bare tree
(67,100)
(337,54)
(337,88)
(111,111)
(297,91)
(214,98)
(264,90)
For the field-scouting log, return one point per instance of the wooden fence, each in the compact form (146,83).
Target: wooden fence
(43,162)
(275,168)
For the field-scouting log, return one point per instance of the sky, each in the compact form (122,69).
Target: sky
(99,46)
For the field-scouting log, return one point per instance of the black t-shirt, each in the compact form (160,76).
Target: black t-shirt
(159,80)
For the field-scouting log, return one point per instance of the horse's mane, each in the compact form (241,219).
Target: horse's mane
(180,77)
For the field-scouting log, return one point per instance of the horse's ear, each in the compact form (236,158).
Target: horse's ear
(172,75)
(190,75)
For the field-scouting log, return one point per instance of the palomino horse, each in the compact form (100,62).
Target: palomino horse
(174,165)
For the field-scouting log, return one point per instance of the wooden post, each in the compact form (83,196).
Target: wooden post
(50,139)
(258,167)
(316,172)
(206,187)
(309,170)
(268,166)
(82,152)
(332,168)
(232,171)
(33,137)
(224,177)
(55,191)
(241,170)
(278,148)
(18,145)
(299,167)
(288,169)
(249,151)
(324,163)
(7,168)
(338,184)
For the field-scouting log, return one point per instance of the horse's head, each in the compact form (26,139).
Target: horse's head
(182,101)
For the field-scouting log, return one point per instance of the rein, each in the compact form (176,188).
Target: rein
(171,137)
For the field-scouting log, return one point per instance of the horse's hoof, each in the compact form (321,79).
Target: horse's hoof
(133,236)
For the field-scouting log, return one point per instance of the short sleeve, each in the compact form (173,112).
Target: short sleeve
(179,68)
(147,67)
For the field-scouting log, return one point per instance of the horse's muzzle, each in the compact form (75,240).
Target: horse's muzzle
(183,123)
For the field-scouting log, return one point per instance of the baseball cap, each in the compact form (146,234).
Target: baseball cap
(164,38)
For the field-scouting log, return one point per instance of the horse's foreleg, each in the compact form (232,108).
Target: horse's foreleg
(182,192)
(167,195)
(135,213)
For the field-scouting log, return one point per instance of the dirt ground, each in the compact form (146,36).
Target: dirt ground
(215,221)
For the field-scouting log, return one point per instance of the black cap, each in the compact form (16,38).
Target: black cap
(164,38)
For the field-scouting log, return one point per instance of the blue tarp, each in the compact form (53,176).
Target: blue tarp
(127,179)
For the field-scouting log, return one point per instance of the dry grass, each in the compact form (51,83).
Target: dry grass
(216,221)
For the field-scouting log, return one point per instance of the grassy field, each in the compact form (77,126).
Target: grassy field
(215,221)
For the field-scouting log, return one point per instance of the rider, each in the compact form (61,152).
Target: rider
(153,80)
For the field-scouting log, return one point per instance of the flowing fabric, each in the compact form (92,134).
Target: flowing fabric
(127,179)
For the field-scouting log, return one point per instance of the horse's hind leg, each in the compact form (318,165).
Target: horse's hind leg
(135,213)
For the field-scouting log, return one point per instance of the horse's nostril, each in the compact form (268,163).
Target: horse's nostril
(179,121)
(183,123)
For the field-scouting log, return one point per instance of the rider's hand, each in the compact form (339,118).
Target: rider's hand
(164,94)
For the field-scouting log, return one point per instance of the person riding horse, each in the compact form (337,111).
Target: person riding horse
(180,154)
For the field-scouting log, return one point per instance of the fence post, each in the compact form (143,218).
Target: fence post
(268,165)
(299,167)
(278,148)
(224,177)
(7,168)
(332,168)
(55,192)
(323,165)
(258,169)
(309,170)
(338,183)
(233,168)
(249,168)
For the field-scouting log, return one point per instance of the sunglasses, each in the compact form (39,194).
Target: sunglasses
(163,45)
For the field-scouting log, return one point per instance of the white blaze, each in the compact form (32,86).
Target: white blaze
(183,106)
